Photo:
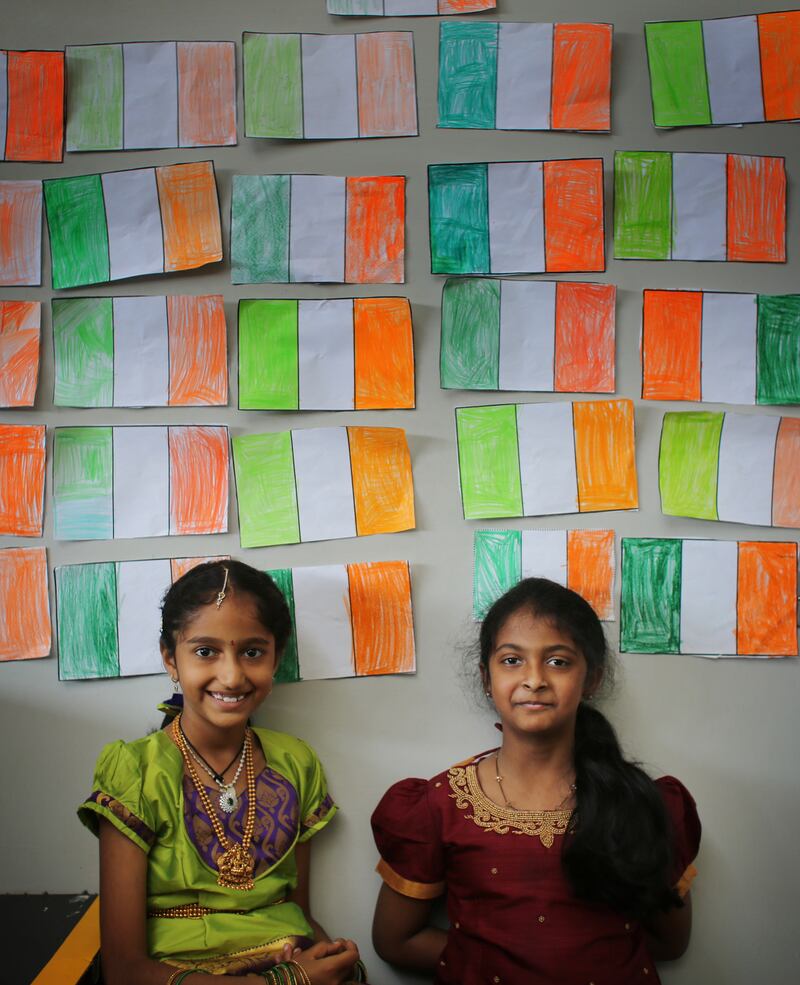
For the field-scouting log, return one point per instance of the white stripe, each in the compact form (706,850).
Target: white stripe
(325,354)
(709,578)
(324,483)
(544,555)
(516,217)
(746,465)
(3,102)
(407,8)
(150,106)
(524,76)
(733,66)
(330,98)
(699,210)
(527,335)
(730,325)
(141,352)
(547,458)
(323,626)
(135,241)
(316,228)
(140,588)
(141,482)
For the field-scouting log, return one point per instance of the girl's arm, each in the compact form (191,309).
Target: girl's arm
(302,894)
(402,934)
(668,933)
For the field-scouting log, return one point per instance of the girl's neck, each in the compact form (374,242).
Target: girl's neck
(213,743)
(540,756)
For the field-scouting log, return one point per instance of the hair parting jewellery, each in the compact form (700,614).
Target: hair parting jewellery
(221,592)
(228,801)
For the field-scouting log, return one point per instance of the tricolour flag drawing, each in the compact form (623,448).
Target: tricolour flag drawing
(582,560)
(699,206)
(127,223)
(322,484)
(20,329)
(329,86)
(525,76)
(724,70)
(539,459)
(32,106)
(20,233)
(140,481)
(709,597)
(291,228)
(150,94)
(721,347)
(741,468)
(516,217)
(25,626)
(140,351)
(22,457)
(407,8)
(334,354)
(527,335)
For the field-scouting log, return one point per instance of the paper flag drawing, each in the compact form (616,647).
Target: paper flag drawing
(329,86)
(127,223)
(525,76)
(140,351)
(336,354)
(516,217)
(582,560)
(32,106)
(289,228)
(147,95)
(709,597)
(322,484)
(140,481)
(20,233)
(538,459)
(721,347)
(25,626)
(20,328)
(724,70)
(527,335)
(699,207)
(21,479)
(407,8)
(736,467)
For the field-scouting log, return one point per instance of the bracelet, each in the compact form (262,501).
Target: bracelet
(180,974)
(298,969)
(360,971)
(281,974)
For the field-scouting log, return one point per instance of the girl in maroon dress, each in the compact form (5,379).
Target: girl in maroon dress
(563,863)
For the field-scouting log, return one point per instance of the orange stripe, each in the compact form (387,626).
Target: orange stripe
(385,110)
(383,625)
(406,887)
(25,626)
(786,479)
(375,238)
(604,455)
(672,345)
(584,361)
(590,568)
(383,487)
(198,354)
(766,607)
(189,215)
(464,6)
(35,127)
(779,40)
(21,479)
(756,209)
(573,209)
(206,93)
(20,232)
(684,884)
(71,960)
(180,565)
(581,88)
(198,476)
(19,352)
(384,353)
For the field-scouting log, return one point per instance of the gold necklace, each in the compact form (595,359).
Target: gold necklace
(572,787)
(235,864)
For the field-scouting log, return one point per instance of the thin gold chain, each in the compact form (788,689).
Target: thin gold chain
(498,776)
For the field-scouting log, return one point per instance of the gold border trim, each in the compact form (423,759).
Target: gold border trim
(416,890)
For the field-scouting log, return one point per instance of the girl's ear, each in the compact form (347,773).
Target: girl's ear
(168,659)
(485,681)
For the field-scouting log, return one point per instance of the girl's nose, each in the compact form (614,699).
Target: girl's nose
(229,672)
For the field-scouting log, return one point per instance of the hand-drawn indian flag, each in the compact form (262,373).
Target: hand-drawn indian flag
(140,481)
(725,70)
(322,484)
(334,354)
(527,335)
(699,206)
(289,228)
(32,106)
(25,627)
(20,328)
(20,233)
(724,348)
(742,468)
(538,459)
(22,456)
(126,223)
(709,597)
(329,86)
(582,560)
(407,8)
(516,217)
(140,351)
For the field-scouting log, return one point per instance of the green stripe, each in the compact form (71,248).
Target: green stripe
(687,463)
(273,90)
(459,218)
(467,75)
(86,605)
(642,205)
(94,97)
(289,667)
(678,79)
(470,351)
(260,229)
(365,8)
(83,337)
(778,377)
(82,483)
(265,489)
(488,458)
(268,361)
(76,218)
(498,567)
(650,609)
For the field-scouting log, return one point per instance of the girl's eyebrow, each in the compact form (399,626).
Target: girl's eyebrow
(213,639)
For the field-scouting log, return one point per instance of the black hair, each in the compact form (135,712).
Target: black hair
(619,849)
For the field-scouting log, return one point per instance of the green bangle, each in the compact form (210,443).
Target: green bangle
(190,971)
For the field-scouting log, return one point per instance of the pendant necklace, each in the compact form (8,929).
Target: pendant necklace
(228,800)
(572,788)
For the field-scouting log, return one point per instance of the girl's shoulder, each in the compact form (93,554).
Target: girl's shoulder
(417,795)
(287,753)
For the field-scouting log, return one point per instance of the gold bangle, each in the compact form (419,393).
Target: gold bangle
(173,976)
(301,971)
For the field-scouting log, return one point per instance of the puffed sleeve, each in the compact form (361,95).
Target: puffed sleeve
(117,796)
(686,830)
(408,836)
(317,807)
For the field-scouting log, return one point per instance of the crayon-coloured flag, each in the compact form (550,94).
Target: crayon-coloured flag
(20,233)
(32,106)
(22,459)
(407,8)
(25,627)
(20,329)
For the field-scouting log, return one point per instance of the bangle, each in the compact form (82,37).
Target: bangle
(360,971)
(298,970)
(180,974)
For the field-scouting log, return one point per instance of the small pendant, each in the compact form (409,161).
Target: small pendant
(228,800)
(235,868)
